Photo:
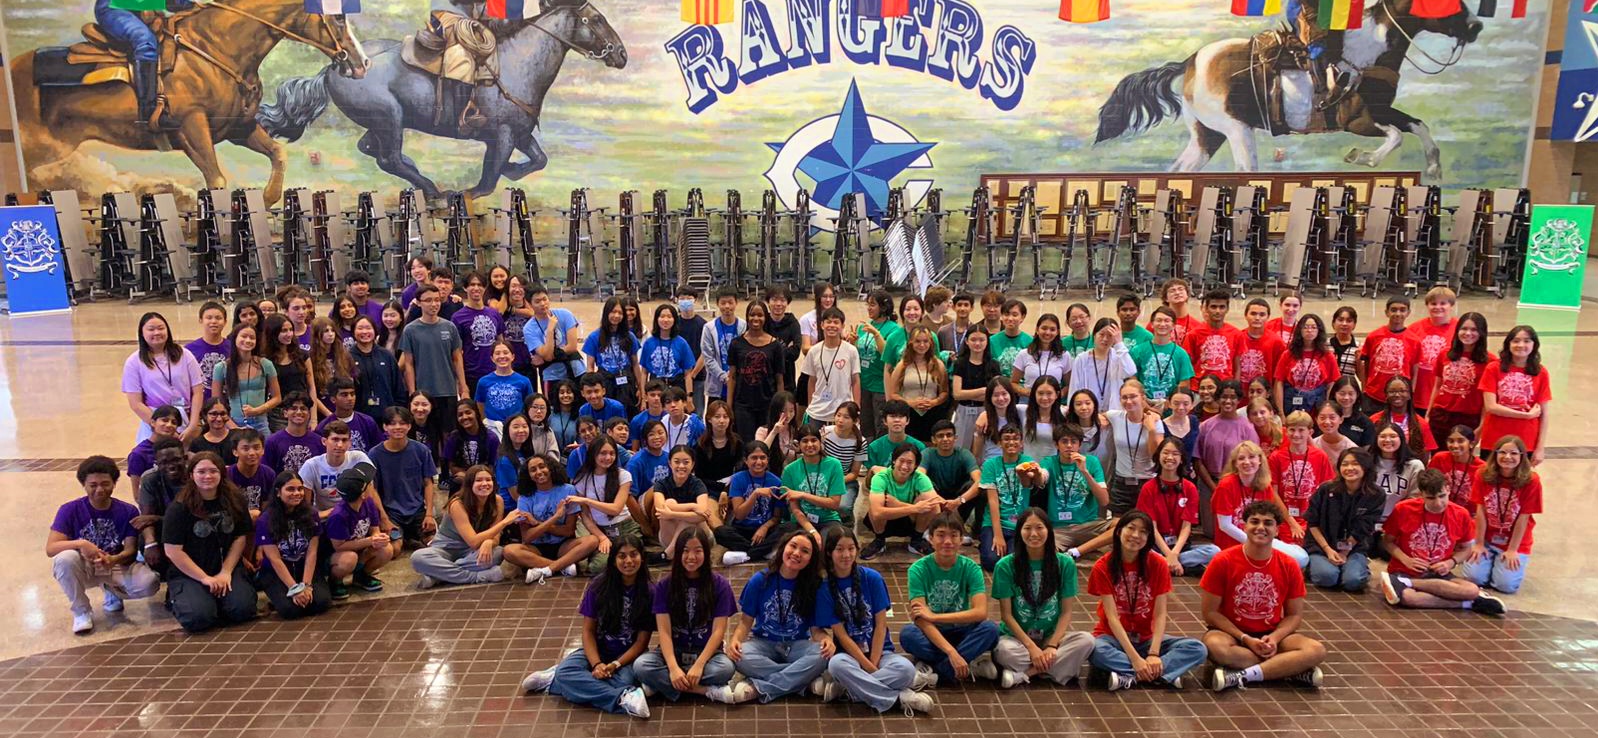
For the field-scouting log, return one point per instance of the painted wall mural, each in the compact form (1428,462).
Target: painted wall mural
(821,94)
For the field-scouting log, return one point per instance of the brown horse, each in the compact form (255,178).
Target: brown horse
(212,91)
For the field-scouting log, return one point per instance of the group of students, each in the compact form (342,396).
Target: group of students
(482,428)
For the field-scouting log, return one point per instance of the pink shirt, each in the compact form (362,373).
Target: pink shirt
(165,383)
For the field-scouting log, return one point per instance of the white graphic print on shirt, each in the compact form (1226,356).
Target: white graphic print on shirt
(1255,597)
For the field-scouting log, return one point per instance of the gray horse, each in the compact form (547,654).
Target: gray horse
(394,96)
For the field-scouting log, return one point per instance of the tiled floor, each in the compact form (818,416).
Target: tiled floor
(448,663)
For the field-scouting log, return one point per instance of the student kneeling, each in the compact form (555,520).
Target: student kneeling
(203,535)
(1426,539)
(777,644)
(1253,601)
(294,560)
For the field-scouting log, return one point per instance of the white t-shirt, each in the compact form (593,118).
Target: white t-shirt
(1045,363)
(1132,457)
(594,489)
(834,371)
(809,327)
(320,476)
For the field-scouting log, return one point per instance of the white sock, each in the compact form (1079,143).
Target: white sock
(1253,674)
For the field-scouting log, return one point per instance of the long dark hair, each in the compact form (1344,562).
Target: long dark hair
(1093,418)
(1478,353)
(707,444)
(1367,468)
(1405,450)
(1055,347)
(654,323)
(624,338)
(526,487)
(1117,556)
(851,614)
(820,289)
(809,578)
(226,492)
(174,352)
(555,407)
(1318,346)
(230,384)
(277,352)
(610,590)
(701,588)
(963,351)
(1534,362)
(280,520)
(1022,571)
(612,478)
(1056,416)
(481,512)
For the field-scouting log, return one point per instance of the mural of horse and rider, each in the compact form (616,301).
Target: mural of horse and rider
(330,101)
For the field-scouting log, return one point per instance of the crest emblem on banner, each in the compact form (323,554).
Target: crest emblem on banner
(29,248)
(1557,247)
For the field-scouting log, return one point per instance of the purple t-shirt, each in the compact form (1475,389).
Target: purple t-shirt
(408,294)
(78,520)
(209,356)
(293,546)
(688,639)
(479,328)
(256,487)
(1218,436)
(345,524)
(285,452)
(165,383)
(613,645)
(372,309)
(141,459)
(364,432)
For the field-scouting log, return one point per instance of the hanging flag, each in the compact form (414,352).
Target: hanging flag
(1084,11)
(136,6)
(882,8)
(708,12)
(332,7)
(504,9)
(1258,7)
(1435,8)
(1340,15)
(1520,9)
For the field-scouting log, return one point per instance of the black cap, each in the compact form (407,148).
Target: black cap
(352,482)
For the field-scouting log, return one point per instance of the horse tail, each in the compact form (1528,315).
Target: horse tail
(1140,101)
(299,102)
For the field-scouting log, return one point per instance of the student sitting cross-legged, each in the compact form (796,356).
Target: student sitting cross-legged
(1036,586)
(1134,582)
(466,549)
(853,603)
(691,606)
(949,628)
(1427,538)
(777,644)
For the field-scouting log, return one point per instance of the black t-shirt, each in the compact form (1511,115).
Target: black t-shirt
(757,369)
(291,376)
(224,448)
(787,333)
(205,539)
(973,376)
(717,464)
(686,494)
(692,329)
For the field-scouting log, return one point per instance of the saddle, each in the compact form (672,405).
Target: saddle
(453,46)
(1270,54)
(99,59)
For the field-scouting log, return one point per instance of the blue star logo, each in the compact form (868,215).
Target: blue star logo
(851,157)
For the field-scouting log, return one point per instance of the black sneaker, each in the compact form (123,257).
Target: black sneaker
(656,558)
(366,582)
(339,590)
(1194,572)
(1311,678)
(874,549)
(1393,587)
(1489,605)
(920,546)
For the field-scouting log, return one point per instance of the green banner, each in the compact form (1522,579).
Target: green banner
(1556,256)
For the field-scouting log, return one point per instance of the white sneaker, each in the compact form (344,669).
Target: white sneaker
(425,582)
(925,678)
(1120,681)
(966,541)
(1224,679)
(537,575)
(82,623)
(632,701)
(113,603)
(818,686)
(914,702)
(984,668)
(571,571)
(732,694)
(539,681)
(647,690)
(734,558)
(491,576)
(1009,678)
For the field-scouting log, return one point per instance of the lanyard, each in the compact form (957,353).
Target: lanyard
(1132,447)
(1102,377)
(826,364)
(675,435)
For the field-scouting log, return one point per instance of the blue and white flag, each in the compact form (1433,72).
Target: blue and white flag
(332,7)
(31,258)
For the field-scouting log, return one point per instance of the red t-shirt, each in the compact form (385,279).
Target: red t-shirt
(1456,384)
(1297,476)
(1259,356)
(1183,325)
(1460,478)
(1387,355)
(1434,341)
(1282,331)
(1516,390)
(1253,594)
(1229,499)
(1306,372)
(1411,423)
(1169,504)
(1214,351)
(1134,596)
(1503,505)
(1426,536)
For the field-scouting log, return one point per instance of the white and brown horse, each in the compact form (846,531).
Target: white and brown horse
(1221,101)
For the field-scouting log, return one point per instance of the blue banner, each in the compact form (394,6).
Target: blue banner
(1576,98)
(30,256)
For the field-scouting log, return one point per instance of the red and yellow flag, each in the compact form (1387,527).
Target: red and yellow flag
(1084,11)
(1340,15)
(709,12)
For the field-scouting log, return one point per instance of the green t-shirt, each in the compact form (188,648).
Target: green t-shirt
(1136,337)
(946,590)
(822,480)
(950,474)
(880,451)
(1003,349)
(884,484)
(871,365)
(1074,345)
(1161,368)
(1013,496)
(1038,621)
(1070,500)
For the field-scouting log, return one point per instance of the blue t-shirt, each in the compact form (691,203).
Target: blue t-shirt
(724,335)
(612,409)
(613,357)
(106,529)
(741,485)
(855,602)
(771,600)
(686,433)
(502,396)
(293,546)
(533,334)
(635,427)
(347,524)
(507,472)
(647,468)
(541,505)
(401,476)
(667,358)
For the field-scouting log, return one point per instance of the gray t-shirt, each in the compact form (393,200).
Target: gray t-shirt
(432,348)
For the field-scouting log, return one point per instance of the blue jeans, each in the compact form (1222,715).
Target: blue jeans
(651,671)
(970,641)
(879,689)
(1489,571)
(985,546)
(575,681)
(1178,655)
(1351,576)
(1195,554)
(780,668)
(125,26)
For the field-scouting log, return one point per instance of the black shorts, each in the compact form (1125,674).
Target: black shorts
(548,550)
